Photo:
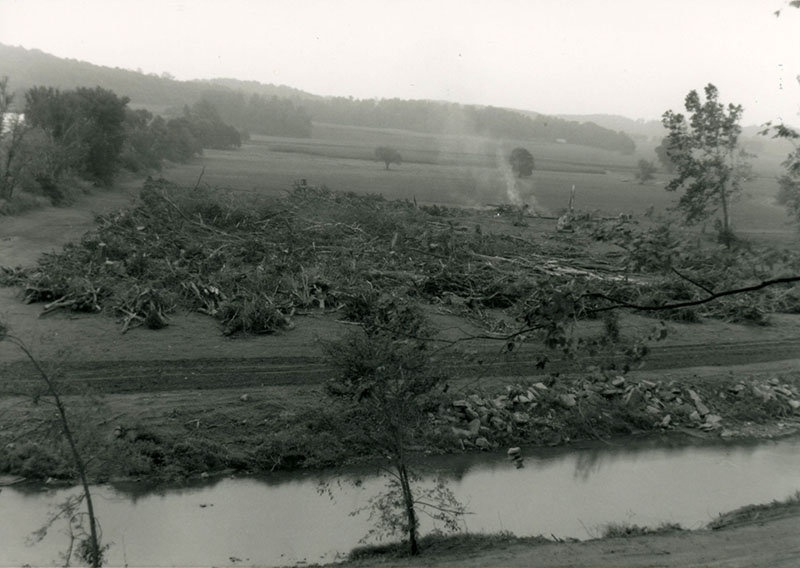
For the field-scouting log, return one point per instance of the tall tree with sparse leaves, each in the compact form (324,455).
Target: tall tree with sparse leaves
(709,163)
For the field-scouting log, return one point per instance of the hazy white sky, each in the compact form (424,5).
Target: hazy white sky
(631,57)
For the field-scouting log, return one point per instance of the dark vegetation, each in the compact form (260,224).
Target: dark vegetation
(90,134)
(522,162)
(282,111)
(253,265)
(388,156)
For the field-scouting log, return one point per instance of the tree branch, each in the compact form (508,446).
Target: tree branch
(618,303)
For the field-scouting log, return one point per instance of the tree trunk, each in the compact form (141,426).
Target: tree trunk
(408,499)
(94,542)
(726,227)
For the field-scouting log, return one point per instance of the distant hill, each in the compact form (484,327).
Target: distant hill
(289,111)
(651,129)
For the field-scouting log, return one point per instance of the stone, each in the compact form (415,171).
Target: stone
(460,403)
(695,416)
(483,443)
(618,381)
(634,397)
(795,404)
(737,388)
(784,391)
(460,432)
(727,433)
(471,414)
(666,421)
(474,427)
(713,419)
(512,452)
(244,397)
(541,386)
(498,423)
(521,418)
(701,408)
(774,381)
(476,400)
(652,410)
(567,400)
(763,394)
(501,402)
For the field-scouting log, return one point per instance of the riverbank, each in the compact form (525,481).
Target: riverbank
(740,541)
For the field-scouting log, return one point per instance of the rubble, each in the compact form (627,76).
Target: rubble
(536,412)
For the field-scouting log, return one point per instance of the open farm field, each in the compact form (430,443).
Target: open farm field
(463,172)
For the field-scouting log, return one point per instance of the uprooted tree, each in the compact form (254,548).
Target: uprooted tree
(710,165)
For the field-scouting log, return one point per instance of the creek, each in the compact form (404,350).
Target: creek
(285,518)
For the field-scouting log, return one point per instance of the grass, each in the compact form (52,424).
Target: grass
(460,171)
(751,513)
(438,544)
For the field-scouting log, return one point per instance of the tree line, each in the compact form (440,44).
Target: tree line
(91,134)
(453,118)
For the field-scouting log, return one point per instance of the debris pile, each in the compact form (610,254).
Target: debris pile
(599,406)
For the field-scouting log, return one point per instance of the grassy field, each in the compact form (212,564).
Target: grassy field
(462,171)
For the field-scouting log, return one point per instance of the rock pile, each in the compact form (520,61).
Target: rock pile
(538,413)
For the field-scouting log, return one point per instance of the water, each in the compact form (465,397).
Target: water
(285,519)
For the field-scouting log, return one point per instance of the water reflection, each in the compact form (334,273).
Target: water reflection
(283,519)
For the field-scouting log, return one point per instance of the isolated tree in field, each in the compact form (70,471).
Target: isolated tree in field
(645,170)
(522,162)
(710,166)
(388,155)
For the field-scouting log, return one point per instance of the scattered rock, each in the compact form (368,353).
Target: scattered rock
(618,381)
(521,418)
(471,414)
(567,400)
(244,397)
(540,386)
(695,416)
(795,404)
(651,409)
(514,452)
(474,427)
(666,421)
(483,443)
(460,403)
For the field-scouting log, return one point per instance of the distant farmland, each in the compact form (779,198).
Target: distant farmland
(458,171)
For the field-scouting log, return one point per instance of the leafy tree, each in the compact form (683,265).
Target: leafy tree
(789,182)
(709,163)
(12,134)
(646,170)
(522,162)
(388,155)
(663,157)
(87,122)
(388,386)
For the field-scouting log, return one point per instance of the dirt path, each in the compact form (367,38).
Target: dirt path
(23,238)
(771,543)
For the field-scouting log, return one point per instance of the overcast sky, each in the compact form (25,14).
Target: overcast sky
(631,57)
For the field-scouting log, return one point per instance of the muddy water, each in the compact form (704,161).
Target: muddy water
(285,519)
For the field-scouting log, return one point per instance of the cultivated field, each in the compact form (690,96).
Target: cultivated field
(465,172)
